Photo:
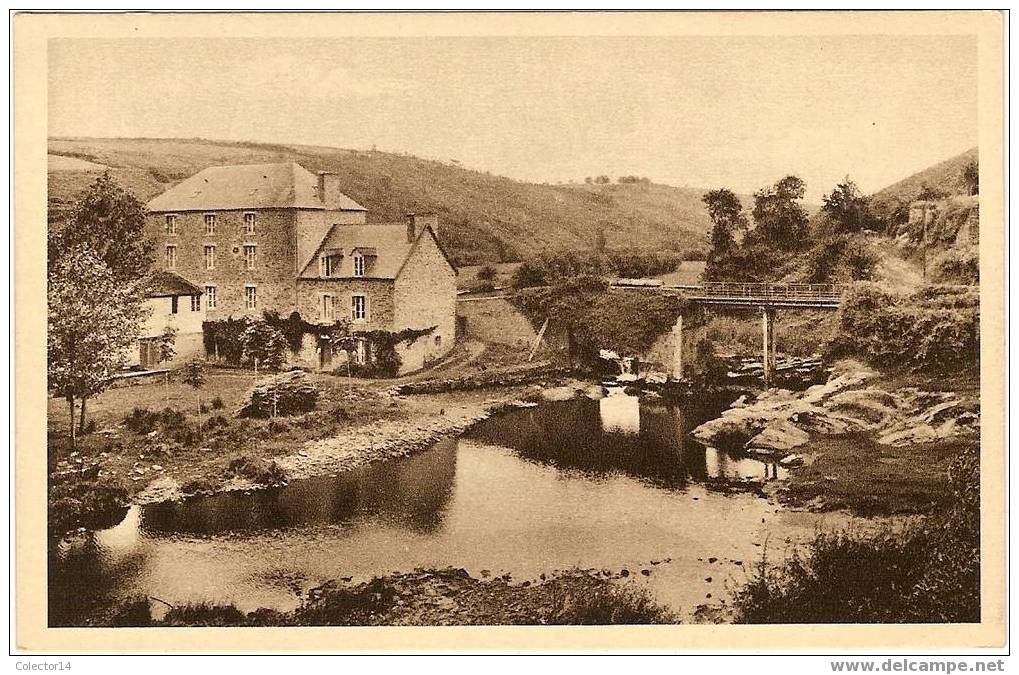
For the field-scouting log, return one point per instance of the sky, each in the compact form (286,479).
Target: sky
(736,112)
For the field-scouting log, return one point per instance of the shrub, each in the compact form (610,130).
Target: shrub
(257,470)
(957,266)
(85,503)
(217,403)
(133,612)
(142,421)
(203,614)
(263,346)
(934,330)
(483,287)
(927,572)
(486,273)
(216,421)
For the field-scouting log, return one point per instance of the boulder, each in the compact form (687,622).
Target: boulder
(285,394)
(779,436)
(921,433)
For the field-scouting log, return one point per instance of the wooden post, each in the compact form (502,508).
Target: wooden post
(677,349)
(768,322)
(537,340)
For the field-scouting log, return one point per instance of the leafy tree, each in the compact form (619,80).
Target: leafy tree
(971,175)
(166,344)
(840,258)
(109,221)
(94,320)
(193,374)
(930,193)
(263,346)
(846,209)
(603,180)
(728,219)
(780,221)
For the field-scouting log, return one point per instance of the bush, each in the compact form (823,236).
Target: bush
(85,503)
(257,470)
(935,330)
(217,403)
(486,273)
(553,268)
(929,572)
(957,266)
(263,346)
(483,287)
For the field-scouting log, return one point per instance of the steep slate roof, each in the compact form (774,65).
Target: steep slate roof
(388,240)
(248,186)
(168,285)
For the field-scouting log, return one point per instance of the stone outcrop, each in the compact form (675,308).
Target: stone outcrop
(781,420)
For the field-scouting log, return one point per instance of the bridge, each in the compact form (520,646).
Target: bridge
(766,297)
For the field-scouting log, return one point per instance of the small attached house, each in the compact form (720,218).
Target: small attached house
(276,237)
(174,303)
(388,277)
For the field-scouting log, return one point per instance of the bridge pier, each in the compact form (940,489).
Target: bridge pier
(768,324)
(677,349)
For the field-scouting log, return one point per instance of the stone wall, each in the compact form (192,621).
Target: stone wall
(425,296)
(273,275)
(378,291)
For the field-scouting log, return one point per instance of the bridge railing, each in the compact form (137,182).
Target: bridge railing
(789,291)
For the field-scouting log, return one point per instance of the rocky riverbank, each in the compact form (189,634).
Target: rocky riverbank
(434,597)
(423,420)
(858,441)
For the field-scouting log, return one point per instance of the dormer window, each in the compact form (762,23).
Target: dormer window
(325,266)
(358,265)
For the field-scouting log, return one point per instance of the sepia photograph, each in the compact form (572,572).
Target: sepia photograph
(543,328)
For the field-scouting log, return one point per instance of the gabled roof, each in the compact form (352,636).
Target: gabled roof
(249,186)
(389,242)
(385,243)
(167,285)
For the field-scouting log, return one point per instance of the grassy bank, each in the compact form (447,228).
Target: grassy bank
(152,441)
(446,597)
(927,571)
(854,472)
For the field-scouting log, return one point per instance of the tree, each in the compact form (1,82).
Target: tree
(166,344)
(193,374)
(847,210)
(930,193)
(726,213)
(971,175)
(780,221)
(94,320)
(110,222)
(603,180)
(263,346)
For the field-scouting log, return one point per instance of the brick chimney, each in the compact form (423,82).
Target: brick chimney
(329,188)
(416,222)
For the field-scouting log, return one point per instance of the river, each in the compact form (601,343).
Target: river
(615,483)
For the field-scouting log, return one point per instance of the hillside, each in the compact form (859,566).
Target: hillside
(483,217)
(946,176)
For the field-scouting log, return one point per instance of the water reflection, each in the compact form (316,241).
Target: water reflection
(572,483)
(645,439)
(620,413)
(411,492)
